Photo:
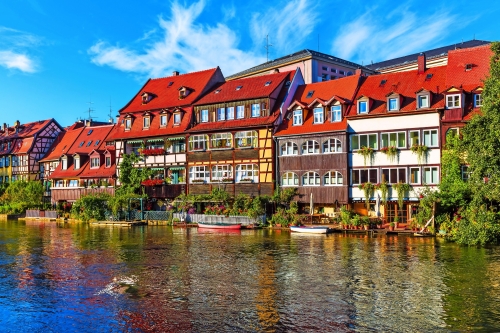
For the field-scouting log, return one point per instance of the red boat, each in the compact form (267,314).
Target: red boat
(226,226)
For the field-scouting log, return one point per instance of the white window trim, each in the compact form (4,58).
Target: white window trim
(476,97)
(367,106)
(315,177)
(218,170)
(289,145)
(242,174)
(361,169)
(297,114)
(419,105)
(163,120)
(256,110)
(204,116)
(337,173)
(195,171)
(437,138)
(423,175)
(221,114)
(295,179)
(240,111)
(367,140)
(397,134)
(337,142)
(146,122)
(453,101)
(321,114)
(396,98)
(306,144)
(332,113)
(419,180)
(399,180)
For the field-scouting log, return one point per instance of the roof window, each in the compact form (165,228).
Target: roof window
(428,77)
(267,83)
(90,132)
(310,94)
(81,143)
(89,143)
(170,83)
(217,91)
(97,142)
(239,87)
(382,83)
(468,67)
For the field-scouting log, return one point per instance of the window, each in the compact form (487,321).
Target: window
(414,138)
(289,179)
(324,68)
(89,143)
(430,138)
(81,144)
(204,116)
(230,113)
(393,104)
(341,72)
(247,172)
(198,142)
(255,110)
(222,140)
(128,123)
(324,77)
(73,183)
(465,172)
(179,146)
(452,101)
(289,148)
(423,101)
(94,162)
(240,111)
(221,114)
(163,120)
(332,146)
(318,115)
(468,67)
(310,147)
(333,77)
(220,172)
(239,87)
(97,143)
(431,175)
(397,139)
(108,161)
(452,132)
(364,140)
(90,131)
(199,174)
(363,107)
(333,178)
(394,176)
(414,175)
(77,163)
(177,118)
(297,117)
(246,139)
(311,178)
(478,100)
(64,163)
(310,94)
(360,176)
(333,70)
(267,83)
(146,122)
(336,113)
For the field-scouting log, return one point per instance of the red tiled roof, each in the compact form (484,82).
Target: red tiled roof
(23,146)
(91,134)
(251,87)
(167,95)
(62,144)
(28,130)
(406,84)
(343,89)
(101,172)
(237,123)
(457,75)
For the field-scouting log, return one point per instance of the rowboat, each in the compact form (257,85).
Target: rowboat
(310,230)
(226,226)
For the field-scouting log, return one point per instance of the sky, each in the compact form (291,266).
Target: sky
(60,58)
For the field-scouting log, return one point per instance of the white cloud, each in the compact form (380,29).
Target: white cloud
(288,26)
(185,45)
(12,60)
(374,37)
(229,12)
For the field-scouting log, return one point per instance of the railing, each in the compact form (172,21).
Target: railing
(196,218)
(169,191)
(34,213)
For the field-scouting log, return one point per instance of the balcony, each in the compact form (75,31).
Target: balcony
(169,191)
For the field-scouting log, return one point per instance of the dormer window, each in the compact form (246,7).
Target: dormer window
(64,165)
(453,101)
(423,99)
(468,67)
(146,121)
(318,115)
(204,116)
(363,106)
(183,92)
(94,162)
(163,120)
(336,113)
(146,97)
(128,123)
(77,162)
(478,100)
(297,117)
(393,102)
(255,110)
(108,161)
(177,118)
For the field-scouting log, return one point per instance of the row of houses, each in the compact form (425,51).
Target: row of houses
(262,130)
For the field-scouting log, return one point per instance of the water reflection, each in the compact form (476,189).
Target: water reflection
(77,278)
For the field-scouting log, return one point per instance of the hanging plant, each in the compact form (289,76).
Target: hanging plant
(367,153)
(401,190)
(391,152)
(384,190)
(368,189)
(421,152)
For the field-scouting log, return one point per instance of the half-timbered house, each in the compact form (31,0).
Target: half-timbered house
(230,143)
(22,146)
(154,123)
(312,143)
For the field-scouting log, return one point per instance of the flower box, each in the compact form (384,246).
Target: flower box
(198,181)
(152,152)
(152,182)
(227,180)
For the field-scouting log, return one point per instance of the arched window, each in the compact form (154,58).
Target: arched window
(289,148)
(310,147)
(289,179)
(310,178)
(333,178)
(332,146)
(247,173)
(222,172)
(246,139)
(222,140)
(198,142)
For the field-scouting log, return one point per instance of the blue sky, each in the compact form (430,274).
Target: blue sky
(57,56)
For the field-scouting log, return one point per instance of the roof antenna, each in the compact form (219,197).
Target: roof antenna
(110,115)
(474,37)
(267,47)
(90,111)
(318,42)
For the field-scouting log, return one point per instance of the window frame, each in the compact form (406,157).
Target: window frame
(430,132)
(436,182)
(95,162)
(368,176)
(455,98)
(335,113)
(199,172)
(290,177)
(397,133)
(396,102)
(337,178)
(297,115)
(305,147)
(289,145)
(316,178)
(390,180)
(365,103)
(478,100)
(318,115)
(218,137)
(221,114)
(368,135)
(230,113)
(255,110)
(163,120)
(253,138)
(217,172)
(248,173)
(240,112)
(202,144)
(419,101)
(204,116)
(177,118)
(328,144)
(146,122)
(419,180)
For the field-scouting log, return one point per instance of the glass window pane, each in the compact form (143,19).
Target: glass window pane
(435,176)
(355,177)
(434,138)
(363,141)
(385,175)
(373,176)
(385,140)
(402,175)
(394,176)
(355,142)
(373,141)
(401,140)
(363,176)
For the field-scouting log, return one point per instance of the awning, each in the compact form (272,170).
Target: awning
(157,169)
(134,141)
(155,140)
(177,168)
(176,138)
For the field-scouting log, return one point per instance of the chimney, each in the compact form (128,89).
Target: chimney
(274,71)
(358,71)
(117,118)
(175,73)
(17,123)
(4,127)
(421,63)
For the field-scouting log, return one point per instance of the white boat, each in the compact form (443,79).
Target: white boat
(310,230)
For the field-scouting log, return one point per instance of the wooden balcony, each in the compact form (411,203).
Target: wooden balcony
(170,191)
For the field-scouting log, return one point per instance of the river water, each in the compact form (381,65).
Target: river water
(80,278)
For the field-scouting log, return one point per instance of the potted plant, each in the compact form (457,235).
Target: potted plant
(396,221)
(365,220)
(420,151)
(356,221)
(391,226)
(367,153)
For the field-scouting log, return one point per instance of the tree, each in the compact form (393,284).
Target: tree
(131,177)
(21,195)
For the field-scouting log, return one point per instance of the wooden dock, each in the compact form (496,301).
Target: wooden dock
(119,223)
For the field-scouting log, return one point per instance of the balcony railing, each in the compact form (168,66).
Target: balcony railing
(169,191)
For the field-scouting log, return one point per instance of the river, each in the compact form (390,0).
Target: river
(81,278)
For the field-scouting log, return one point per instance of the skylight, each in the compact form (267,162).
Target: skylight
(468,67)
(383,82)
(170,83)
(428,77)
(89,143)
(239,87)
(90,132)
(217,91)
(310,94)
(97,142)
(81,143)
(267,83)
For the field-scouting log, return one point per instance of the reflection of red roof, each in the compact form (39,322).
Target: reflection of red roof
(406,84)
(478,58)
(342,90)
(243,89)
(166,91)
(63,143)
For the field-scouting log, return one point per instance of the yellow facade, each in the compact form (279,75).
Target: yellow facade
(6,171)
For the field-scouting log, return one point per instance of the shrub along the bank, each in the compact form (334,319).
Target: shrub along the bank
(21,195)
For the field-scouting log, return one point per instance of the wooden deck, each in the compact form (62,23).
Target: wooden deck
(119,223)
